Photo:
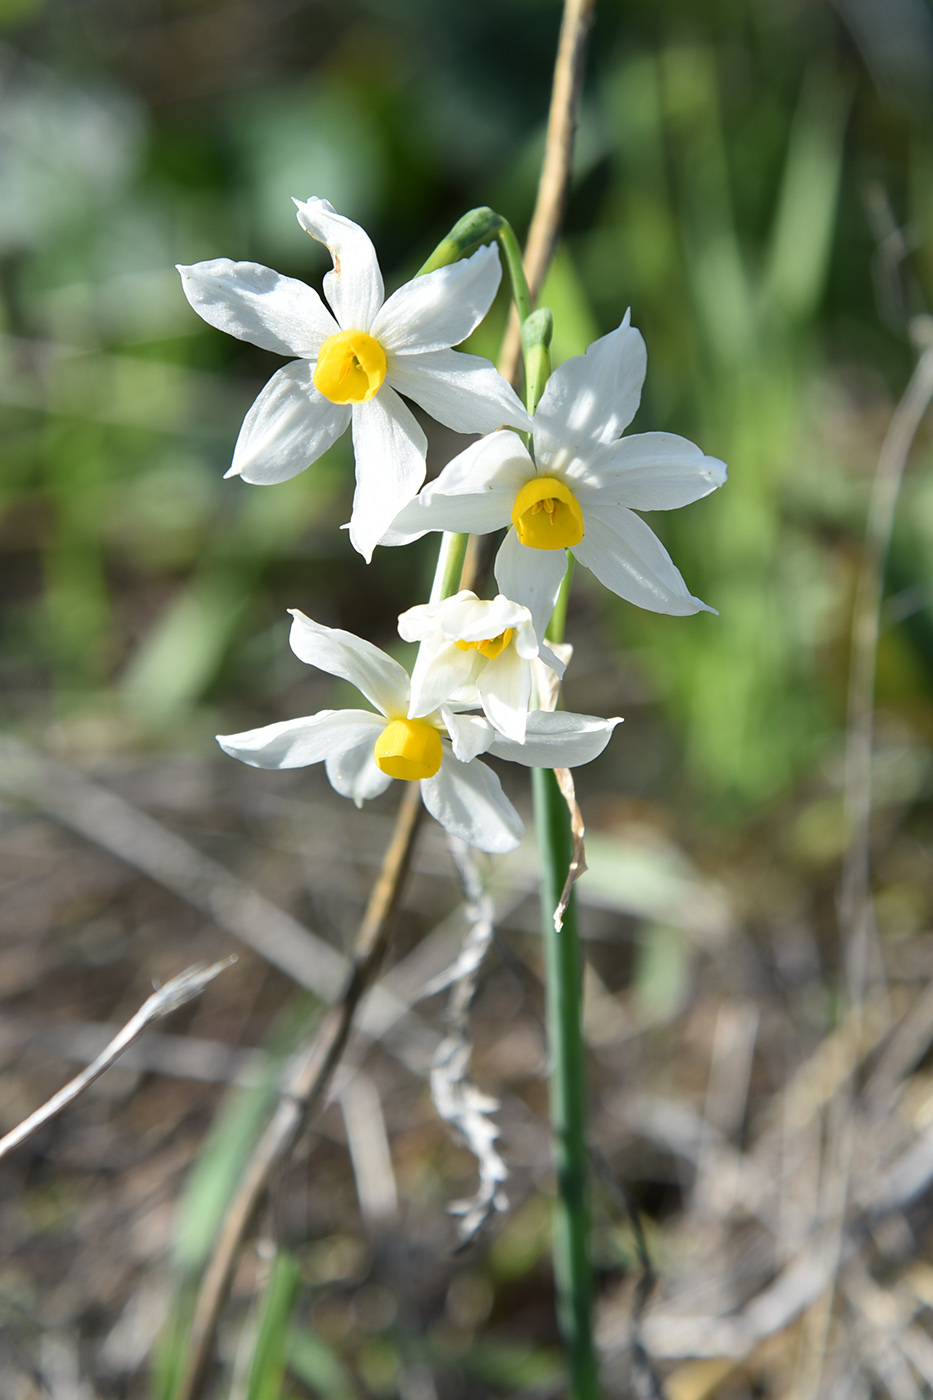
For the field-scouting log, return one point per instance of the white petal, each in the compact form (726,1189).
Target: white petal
(420,622)
(441,308)
(353,771)
(629,559)
(474,493)
(654,471)
(377,676)
(467,799)
(354,289)
(557,739)
(591,398)
(288,427)
(389,447)
(441,673)
(532,577)
(464,392)
(256,304)
(295,743)
(469,734)
(466,618)
(505,690)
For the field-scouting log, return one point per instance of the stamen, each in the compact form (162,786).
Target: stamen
(547,514)
(490,647)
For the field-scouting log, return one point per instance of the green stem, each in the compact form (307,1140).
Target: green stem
(449,565)
(563,974)
(558,622)
(513,261)
(573,1278)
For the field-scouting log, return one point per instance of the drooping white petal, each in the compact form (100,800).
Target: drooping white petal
(464,392)
(532,577)
(505,690)
(389,447)
(377,676)
(288,427)
(441,672)
(628,558)
(654,471)
(469,735)
(354,288)
(557,739)
(256,304)
(296,743)
(466,618)
(441,308)
(468,801)
(591,398)
(353,771)
(474,493)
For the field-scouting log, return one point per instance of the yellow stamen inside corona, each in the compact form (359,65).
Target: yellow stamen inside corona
(409,749)
(547,514)
(491,647)
(350,367)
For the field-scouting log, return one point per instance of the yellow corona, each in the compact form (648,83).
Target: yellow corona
(409,749)
(350,367)
(547,514)
(491,647)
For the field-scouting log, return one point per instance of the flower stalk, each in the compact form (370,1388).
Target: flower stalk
(573,1279)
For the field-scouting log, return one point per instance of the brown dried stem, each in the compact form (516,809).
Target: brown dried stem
(180,990)
(304,1085)
(554,183)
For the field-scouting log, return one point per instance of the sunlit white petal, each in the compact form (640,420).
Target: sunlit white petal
(353,771)
(389,447)
(256,304)
(655,471)
(531,576)
(441,308)
(467,799)
(626,555)
(464,392)
(354,287)
(377,676)
(296,743)
(557,739)
(591,398)
(473,494)
(469,735)
(504,687)
(288,427)
(442,672)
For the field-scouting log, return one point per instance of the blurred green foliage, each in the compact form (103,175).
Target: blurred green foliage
(734,166)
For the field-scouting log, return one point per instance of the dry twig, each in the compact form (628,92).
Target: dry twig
(554,183)
(181,989)
(305,1082)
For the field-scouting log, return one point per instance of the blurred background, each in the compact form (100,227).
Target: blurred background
(756,181)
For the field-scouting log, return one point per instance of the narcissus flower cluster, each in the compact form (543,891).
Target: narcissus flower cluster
(485,677)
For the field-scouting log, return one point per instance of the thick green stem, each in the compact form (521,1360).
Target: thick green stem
(573,1278)
(449,565)
(564,980)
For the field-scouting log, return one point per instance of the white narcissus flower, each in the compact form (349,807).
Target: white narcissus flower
(578,492)
(363,751)
(476,653)
(354,364)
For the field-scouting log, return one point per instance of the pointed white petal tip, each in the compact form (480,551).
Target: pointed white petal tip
(231,472)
